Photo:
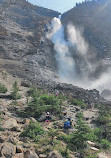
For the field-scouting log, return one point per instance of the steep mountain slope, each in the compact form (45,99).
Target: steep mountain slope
(94,18)
(23,51)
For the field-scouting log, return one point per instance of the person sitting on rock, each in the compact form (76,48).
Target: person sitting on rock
(64,112)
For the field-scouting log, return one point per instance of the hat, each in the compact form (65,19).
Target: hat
(48,113)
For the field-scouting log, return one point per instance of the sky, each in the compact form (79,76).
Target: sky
(57,5)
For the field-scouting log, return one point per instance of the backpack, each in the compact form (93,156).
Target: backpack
(67,125)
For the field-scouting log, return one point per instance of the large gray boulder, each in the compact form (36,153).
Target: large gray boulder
(30,154)
(19,155)
(8,150)
(10,123)
(13,140)
(42,156)
(2,138)
(102,155)
(33,155)
(42,117)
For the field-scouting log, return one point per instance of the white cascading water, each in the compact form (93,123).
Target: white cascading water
(63,56)
(73,58)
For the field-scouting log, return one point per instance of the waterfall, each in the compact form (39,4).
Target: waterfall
(75,63)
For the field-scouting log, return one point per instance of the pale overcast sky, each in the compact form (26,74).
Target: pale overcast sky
(58,5)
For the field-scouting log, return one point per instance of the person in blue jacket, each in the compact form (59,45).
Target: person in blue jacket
(68,124)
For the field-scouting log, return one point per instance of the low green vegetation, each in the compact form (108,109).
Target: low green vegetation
(79,103)
(76,141)
(42,103)
(105,144)
(33,131)
(3,89)
(15,95)
(82,133)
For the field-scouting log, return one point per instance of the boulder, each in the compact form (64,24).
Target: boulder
(25,84)
(42,156)
(2,138)
(91,143)
(33,119)
(8,150)
(17,129)
(54,154)
(102,155)
(19,149)
(42,117)
(60,124)
(72,156)
(26,121)
(26,144)
(93,149)
(13,140)
(29,154)
(10,123)
(20,155)
(33,155)
(19,120)
(39,150)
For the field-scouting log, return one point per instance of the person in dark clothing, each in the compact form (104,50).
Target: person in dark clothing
(48,117)
(69,119)
(68,124)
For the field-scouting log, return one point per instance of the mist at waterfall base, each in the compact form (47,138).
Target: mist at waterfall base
(75,63)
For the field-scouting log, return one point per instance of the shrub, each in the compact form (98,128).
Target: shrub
(103,119)
(42,104)
(105,144)
(2,129)
(35,93)
(91,136)
(98,133)
(14,93)
(33,131)
(79,103)
(78,139)
(3,89)
(49,99)
(35,110)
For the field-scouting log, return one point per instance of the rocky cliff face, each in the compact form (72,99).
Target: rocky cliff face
(23,50)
